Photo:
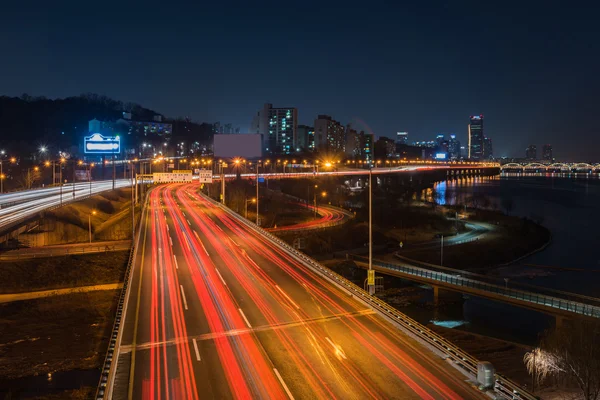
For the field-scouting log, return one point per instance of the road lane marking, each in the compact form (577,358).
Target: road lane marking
(219,228)
(183,214)
(283,384)
(171,240)
(218,273)
(245,319)
(183,295)
(338,351)
(189,223)
(196,349)
(287,297)
(202,244)
(244,331)
(175,261)
(233,241)
(167,228)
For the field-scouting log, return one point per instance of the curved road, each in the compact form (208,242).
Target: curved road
(217,310)
(17,206)
(329,216)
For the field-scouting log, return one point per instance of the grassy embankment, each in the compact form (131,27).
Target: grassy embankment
(60,333)
(110,215)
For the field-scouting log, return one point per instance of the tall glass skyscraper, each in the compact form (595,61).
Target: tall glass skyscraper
(476,137)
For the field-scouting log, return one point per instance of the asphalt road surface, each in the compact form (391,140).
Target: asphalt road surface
(218,311)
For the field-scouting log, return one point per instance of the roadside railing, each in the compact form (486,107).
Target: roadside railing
(63,251)
(504,387)
(461,281)
(107,374)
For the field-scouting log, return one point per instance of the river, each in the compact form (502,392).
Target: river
(566,204)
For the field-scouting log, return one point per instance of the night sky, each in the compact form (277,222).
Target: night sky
(532,68)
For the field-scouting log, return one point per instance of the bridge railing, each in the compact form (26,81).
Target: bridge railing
(505,388)
(460,281)
(495,280)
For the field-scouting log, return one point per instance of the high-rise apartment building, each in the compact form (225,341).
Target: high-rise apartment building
(278,127)
(330,135)
(476,137)
(531,152)
(488,150)
(367,146)
(547,153)
(453,147)
(402,138)
(352,149)
(305,138)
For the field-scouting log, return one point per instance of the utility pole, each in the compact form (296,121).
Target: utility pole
(222,185)
(132,207)
(371,272)
(256,193)
(442,252)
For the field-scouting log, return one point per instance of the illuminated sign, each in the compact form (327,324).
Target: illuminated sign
(440,156)
(205,176)
(98,144)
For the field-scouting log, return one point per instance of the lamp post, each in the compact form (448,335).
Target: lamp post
(60,177)
(371,287)
(90,223)
(442,251)
(315,199)
(257,191)
(2,176)
(90,166)
(246,206)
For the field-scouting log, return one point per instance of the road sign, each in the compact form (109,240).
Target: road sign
(371,277)
(166,177)
(205,176)
(261,179)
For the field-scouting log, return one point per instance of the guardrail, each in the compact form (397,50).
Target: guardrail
(504,387)
(65,251)
(460,281)
(107,375)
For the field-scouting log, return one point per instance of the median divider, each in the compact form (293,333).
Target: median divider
(505,388)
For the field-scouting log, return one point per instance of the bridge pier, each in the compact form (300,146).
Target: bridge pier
(559,321)
(442,294)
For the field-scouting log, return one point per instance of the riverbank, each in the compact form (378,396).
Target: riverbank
(66,335)
(510,239)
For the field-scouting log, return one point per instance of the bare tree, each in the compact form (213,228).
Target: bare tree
(29,177)
(572,352)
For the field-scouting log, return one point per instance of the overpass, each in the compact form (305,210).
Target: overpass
(214,306)
(19,207)
(556,303)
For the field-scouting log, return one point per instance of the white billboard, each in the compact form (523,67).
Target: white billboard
(244,145)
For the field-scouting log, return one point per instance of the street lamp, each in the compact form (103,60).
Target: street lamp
(371,272)
(2,176)
(246,206)
(90,223)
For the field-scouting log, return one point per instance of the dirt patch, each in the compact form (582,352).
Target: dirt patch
(507,357)
(62,272)
(55,334)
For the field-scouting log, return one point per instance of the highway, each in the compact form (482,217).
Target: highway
(217,310)
(18,206)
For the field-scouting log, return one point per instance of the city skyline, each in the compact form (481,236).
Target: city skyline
(404,69)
